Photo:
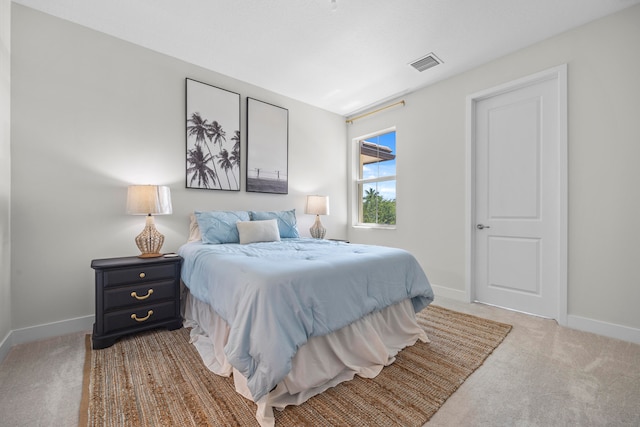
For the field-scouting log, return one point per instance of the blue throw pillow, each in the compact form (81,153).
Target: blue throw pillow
(286,221)
(220,226)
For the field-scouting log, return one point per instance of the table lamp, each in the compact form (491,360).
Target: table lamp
(317,205)
(149,200)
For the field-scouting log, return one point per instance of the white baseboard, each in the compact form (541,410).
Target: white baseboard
(49,330)
(454,294)
(5,346)
(599,327)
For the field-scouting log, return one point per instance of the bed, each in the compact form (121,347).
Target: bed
(290,317)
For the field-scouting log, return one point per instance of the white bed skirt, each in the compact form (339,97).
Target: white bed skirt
(362,348)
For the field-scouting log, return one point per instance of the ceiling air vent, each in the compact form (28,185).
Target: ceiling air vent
(426,62)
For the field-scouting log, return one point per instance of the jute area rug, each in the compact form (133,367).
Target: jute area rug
(158,379)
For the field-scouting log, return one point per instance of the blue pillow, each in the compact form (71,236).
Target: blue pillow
(286,221)
(220,226)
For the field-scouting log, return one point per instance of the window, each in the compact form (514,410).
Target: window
(376,179)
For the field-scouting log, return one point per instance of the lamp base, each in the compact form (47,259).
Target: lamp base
(317,230)
(150,240)
(149,255)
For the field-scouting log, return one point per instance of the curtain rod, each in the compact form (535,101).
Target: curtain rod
(353,119)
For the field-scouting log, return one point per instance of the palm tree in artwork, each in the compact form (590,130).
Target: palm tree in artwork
(197,162)
(216,134)
(235,151)
(225,163)
(236,141)
(200,129)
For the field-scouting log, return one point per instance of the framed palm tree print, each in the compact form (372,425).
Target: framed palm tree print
(267,147)
(213,137)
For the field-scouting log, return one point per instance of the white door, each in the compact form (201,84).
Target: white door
(518,144)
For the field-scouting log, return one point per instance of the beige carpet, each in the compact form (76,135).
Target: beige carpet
(158,379)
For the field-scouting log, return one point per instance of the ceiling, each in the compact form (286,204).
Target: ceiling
(342,60)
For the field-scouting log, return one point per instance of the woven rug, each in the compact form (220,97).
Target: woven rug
(158,379)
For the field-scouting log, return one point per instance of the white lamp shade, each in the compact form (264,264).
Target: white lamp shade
(317,205)
(149,199)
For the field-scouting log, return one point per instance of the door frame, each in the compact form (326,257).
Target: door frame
(559,74)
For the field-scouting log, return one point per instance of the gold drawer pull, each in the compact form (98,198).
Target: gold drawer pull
(142,275)
(135,295)
(142,319)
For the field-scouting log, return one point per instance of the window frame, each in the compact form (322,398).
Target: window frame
(359,183)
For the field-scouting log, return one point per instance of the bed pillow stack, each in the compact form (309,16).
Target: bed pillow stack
(216,227)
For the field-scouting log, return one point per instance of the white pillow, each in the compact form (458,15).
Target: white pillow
(258,231)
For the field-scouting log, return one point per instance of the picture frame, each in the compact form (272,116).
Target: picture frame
(213,149)
(267,148)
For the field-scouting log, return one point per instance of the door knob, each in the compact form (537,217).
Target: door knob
(482,226)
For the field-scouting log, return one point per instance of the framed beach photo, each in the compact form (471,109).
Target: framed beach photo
(267,148)
(213,137)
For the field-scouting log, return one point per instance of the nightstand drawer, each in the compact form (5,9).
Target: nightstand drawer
(138,274)
(116,298)
(139,316)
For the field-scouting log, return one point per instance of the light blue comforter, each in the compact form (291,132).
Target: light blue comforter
(276,295)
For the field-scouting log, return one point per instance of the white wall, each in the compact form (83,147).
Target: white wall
(5,170)
(92,114)
(604,150)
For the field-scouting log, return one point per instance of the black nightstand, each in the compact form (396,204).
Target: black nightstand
(135,294)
